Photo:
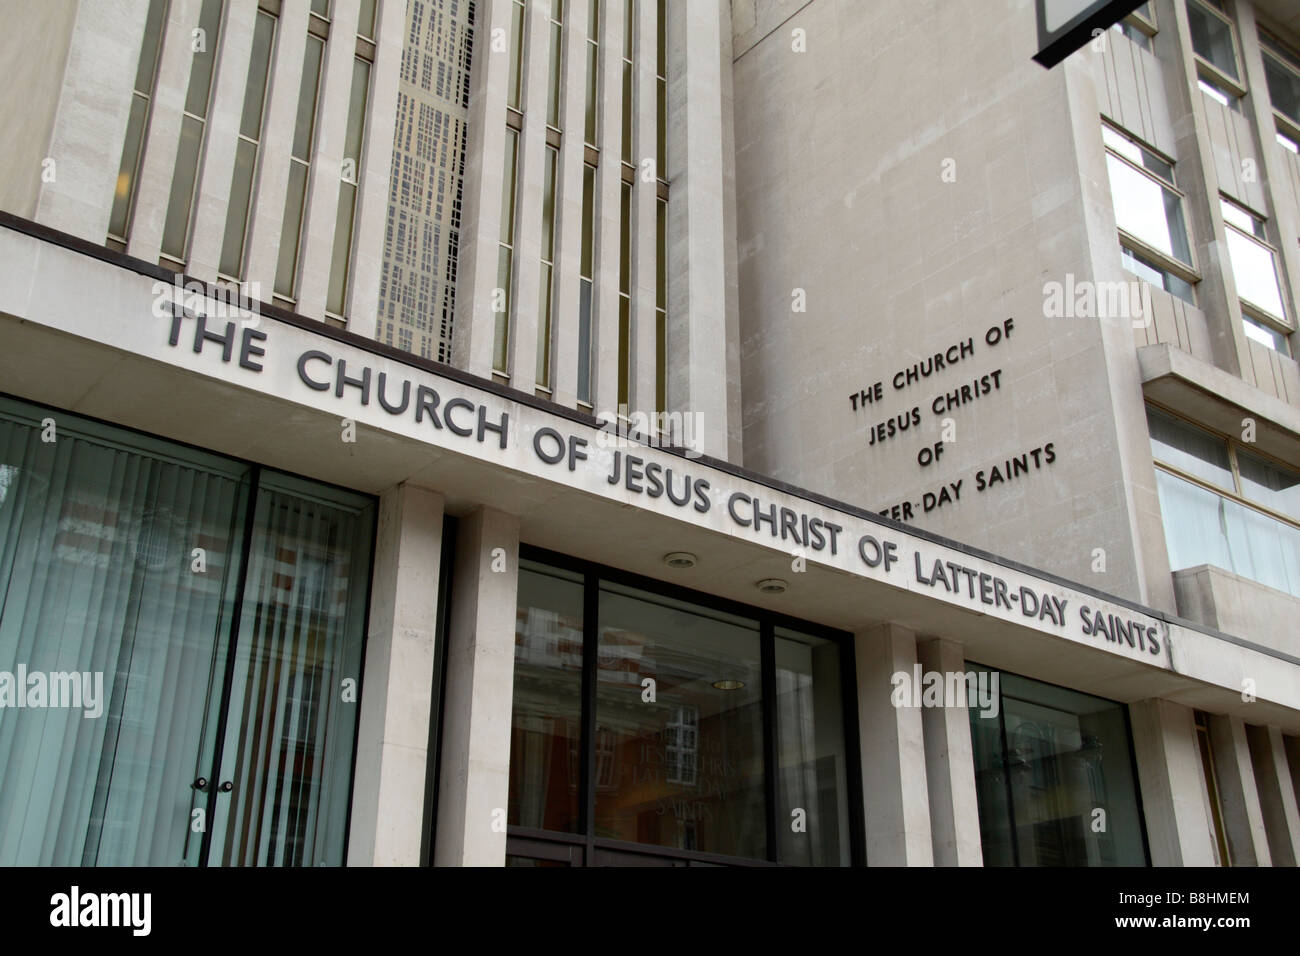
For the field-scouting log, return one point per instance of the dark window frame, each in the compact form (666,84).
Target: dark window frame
(520,839)
(1002,729)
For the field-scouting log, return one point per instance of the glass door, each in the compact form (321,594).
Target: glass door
(180,652)
(281,796)
(117,569)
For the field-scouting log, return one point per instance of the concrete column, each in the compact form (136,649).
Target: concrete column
(158,160)
(1179,830)
(645,203)
(472,338)
(212,188)
(531,173)
(568,206)
(1276,794)
(893,752)
(397,687)
(279,114)
(698,342)
(375,169)
(950,766)
(609,216)
(1243,819)
(475,782)
(321,209)
(90,126)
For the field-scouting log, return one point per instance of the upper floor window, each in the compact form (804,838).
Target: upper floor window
(1139,26)
(1224,505)
(1282,71)
(1149,214)
(1214,41)
(1254,264)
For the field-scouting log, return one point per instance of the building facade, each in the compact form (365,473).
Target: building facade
(598,432)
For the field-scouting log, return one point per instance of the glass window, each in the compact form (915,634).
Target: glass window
(812,778)
(505,256)
(1212,38)
(1045,763)
(556,64)
(193,124)
(295,198)
(1202,527)
(585,284)
(250,129)
(1147,207)
(688,699)
(1254,264)
(1271,485)
(546,722)
(1147,268)
(514,83)
(1265,335)
(625,298)
(593,50)
(685,771)
(1282,70)
(119,220)
(120,559)
(341,258)
(1189,449)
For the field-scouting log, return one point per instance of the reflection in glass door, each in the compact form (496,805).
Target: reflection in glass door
(282,795)
(148,639)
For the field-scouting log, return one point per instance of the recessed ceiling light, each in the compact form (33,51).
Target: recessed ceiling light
(772,585)
(728,684)
(680,559)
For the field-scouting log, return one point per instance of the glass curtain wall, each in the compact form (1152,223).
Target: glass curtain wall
(1054,779)
(642,717)
(133,599)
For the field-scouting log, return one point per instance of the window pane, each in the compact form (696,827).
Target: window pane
(1255,271)
(544,327)
(241,188)
(179,202)
(1065,756)
(584,340)
(1265,335)
(812,774)
(153,27)
(196,98)
(305,120)
(687,770)
(95,540)
(1212,39)
(516,53)
(341,255)
(1189,449)
(1269,484)
(589,129)
(366,19)
(1147,210)
(1145,268)
(553,87)
(546,718)
(588,217)
(289,740)
(502,317)
(1283,87)
(119,217)
(250,123)
(1202,527)
(294,196)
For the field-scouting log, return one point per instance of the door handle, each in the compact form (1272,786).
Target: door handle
(201,785)
(227,786)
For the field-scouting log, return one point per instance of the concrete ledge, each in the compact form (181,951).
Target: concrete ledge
(1228,602)
(1186,384)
